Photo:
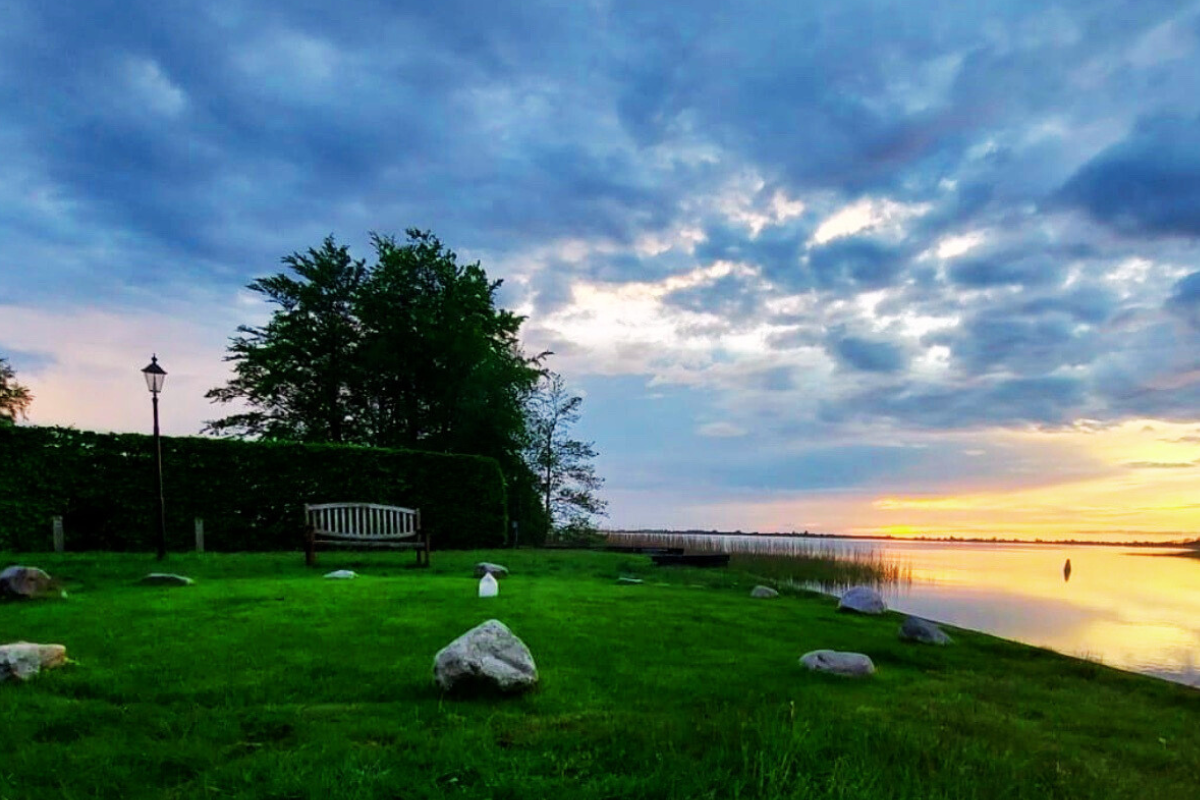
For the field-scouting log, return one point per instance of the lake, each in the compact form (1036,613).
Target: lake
(1133,608)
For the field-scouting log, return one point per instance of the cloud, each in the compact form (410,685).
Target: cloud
(854,264)
(1161,464)
(1185,299)
(866,355)
(1030,269)
(817,224)
(1148,184)
(721,430)
(1051,400)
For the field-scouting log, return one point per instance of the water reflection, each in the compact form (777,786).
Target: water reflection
(1132,609)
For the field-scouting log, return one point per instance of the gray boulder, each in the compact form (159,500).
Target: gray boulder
(915,629)
(489,656)
(166,579)
(763,592)
(341,574)
(486,568)
(22,660)
(855,665)
(862,600)
(18,581)
(627,579)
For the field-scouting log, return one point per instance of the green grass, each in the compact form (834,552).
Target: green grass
(265,681)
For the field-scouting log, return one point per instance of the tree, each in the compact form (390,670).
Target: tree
(566,478)
(411,351)
(15,399)
(298,373)
(445,370)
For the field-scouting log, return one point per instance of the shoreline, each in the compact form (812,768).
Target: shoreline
(1191,544)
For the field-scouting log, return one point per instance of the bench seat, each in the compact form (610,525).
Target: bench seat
(367,525)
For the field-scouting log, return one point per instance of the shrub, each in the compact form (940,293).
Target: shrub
(251,495)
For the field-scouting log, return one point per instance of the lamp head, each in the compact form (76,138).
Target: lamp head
(155,375)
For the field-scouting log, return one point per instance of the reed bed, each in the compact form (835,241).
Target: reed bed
(784,560)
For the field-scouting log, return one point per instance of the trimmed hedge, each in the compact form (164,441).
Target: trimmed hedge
(251,495)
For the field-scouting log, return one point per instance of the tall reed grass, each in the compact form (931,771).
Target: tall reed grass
(784,560)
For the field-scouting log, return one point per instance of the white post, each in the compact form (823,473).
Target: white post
(199,535)
(58,534)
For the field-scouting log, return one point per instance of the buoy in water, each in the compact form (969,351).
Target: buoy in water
(1067,570)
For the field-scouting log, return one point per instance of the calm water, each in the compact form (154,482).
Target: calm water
(1131,608)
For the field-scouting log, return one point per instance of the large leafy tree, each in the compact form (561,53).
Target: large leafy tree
(297,375)
(566,477)
(411,351)
(14,398)
(444,367)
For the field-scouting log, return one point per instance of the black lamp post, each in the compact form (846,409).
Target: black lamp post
(155,377)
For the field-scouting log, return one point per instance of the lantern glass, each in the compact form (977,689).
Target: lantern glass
(155,375)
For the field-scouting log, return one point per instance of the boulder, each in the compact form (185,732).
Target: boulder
(22,660)
(166,579)
(341,574)
(18,581)
(853,664)
(915,629)
(863,600)
(627,579)
(489,656)
(763,592)
(486,568)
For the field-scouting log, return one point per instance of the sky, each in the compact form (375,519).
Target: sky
(914,268)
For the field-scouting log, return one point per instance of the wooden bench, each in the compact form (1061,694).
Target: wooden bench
(363,525)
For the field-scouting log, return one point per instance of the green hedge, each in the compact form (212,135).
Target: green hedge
(251,495)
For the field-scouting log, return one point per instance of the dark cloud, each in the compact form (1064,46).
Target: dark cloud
(866,355)
(1052,400)
(1025,345)
(776,252)
(1090,304)
(144,147)
(1030,269)
(856,263)
(733,297)
(1185,299)
(1148,184)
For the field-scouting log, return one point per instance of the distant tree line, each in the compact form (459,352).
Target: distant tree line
(411,351)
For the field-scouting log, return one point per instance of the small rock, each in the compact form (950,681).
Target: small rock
(342,574)
(852,664)
(915,629)
(166,579)
(22,660)
(862,599)
(488,587)
(18,581)
(486,568)
(487,656)
(627,579)
(763,592)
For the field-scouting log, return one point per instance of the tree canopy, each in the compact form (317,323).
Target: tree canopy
(409,351)
(15,399)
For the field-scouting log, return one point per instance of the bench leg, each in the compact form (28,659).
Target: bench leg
(310,546)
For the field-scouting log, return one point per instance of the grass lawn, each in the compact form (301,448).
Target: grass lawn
(264,680)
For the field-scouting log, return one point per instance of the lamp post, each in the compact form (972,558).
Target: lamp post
(155,377)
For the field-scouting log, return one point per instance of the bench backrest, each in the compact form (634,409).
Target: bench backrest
(363,520)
